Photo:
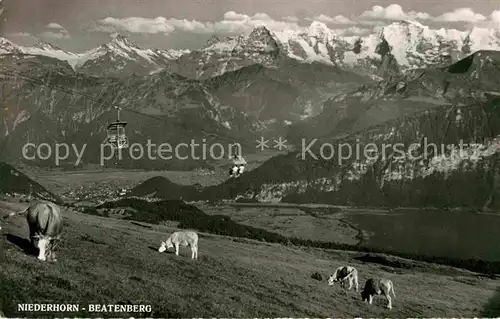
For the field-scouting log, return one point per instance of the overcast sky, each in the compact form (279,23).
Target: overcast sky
(78,25)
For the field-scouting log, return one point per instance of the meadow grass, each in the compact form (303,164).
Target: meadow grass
(106,260)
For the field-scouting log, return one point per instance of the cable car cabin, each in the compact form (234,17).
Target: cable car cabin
(116,135)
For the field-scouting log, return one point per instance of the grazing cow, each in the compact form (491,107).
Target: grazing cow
(378,287)
(345,274)
(45,225)
(183,238)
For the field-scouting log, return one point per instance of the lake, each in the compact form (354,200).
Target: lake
(455,234)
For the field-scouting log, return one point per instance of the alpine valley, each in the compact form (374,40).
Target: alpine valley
(391,164)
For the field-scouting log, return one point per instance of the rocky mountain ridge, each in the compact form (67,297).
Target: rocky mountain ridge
(265,86)
(118,57)
(390,49)
(471,80)
(74,105)
(46,101)
(446,157)
(286,94)
(443,153)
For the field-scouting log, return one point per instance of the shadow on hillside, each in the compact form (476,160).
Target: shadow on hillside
(382,260)
(22,243)
(492,308)
(141,225)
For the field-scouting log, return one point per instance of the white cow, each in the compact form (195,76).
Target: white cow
(345,274)
(183,238)
(378,287)
(2,316)
(45,225)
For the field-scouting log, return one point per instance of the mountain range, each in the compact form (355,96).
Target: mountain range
(439,155)
(471,80)
(312,83)
(462,171)
(399,46)
(47,102)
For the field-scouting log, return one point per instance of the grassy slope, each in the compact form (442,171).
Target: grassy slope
(109,261)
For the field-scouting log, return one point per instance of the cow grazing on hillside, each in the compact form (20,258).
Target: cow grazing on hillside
(378,287)
(45,226)
(345,274)
(183,238)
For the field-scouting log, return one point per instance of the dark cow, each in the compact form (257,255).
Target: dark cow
(45,225)
(378,287)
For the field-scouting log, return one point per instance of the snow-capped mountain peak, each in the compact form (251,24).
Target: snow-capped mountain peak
(41,48)
(47,49)
(121,56)
(46,46)
(260,31)
(7,46)
(403,44)
(406,43)
(120,38)
(410,44)
(213,40)
(262,39)
(315,43)
(171,54)
(482,39)
(406,38)
(320,31)
(120,42)
(119,45)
